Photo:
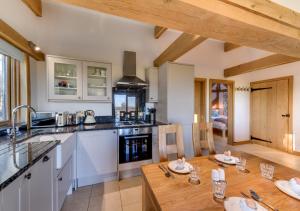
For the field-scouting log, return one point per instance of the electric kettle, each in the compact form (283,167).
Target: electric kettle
(89,117)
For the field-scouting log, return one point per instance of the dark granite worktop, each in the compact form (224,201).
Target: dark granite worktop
(15,159)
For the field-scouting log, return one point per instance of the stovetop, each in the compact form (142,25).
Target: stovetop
(132,123)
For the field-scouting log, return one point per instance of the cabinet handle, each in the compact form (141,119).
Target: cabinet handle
(79,97)
(60,179)
(46,158)
(114,132)
(28,176)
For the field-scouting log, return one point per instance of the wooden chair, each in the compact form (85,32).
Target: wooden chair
(203,138)
(165,149)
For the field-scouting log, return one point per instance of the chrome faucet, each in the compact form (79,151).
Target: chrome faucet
(13,131)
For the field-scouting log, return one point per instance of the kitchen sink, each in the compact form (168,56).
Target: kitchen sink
(40,139)
(64,150)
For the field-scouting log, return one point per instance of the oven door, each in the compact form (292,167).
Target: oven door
(135,148)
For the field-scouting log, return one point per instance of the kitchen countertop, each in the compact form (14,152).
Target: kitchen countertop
(15,159)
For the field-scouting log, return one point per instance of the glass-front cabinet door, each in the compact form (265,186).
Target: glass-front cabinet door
(97,81)
(64,78)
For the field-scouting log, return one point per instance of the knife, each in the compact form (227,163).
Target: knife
(256,197)
(167,174)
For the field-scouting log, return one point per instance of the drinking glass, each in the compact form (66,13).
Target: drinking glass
(194,175)
(267,170)
(219,188)
(241,164)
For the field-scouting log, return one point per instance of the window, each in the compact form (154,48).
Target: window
(4,117)
(10,88)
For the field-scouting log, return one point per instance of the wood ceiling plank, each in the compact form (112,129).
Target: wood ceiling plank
(271,10)
(214,18)
(180,46)
(13,37)
(230,46)
(35,6)
(259,64)
(158,31)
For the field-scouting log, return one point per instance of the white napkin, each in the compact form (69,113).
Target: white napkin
(215,175)
(218,174)
(221,174)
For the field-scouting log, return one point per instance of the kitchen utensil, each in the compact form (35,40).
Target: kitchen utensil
(167,170)
(167,174)
(89,117)
(256,197)
(217,162)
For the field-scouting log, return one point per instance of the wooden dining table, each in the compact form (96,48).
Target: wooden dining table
(176,193)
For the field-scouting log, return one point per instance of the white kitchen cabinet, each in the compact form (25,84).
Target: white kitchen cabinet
(33,190)
(64,182)
(10,196)
(77,80)
(152,80)
(97,81)
(97,153)
(42,183)
(64,79)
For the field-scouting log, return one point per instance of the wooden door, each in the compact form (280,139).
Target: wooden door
(200,99)
(270,113)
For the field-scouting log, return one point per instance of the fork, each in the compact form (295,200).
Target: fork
(167,173)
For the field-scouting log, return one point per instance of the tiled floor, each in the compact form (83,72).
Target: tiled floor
(124,195)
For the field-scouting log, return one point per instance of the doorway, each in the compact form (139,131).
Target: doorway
(271,113)
(221,94)
(200,100)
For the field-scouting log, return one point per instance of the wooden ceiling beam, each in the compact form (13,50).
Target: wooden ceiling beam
(13,37)
(270,9)
(180,46)
(259,64)
(214,18)
(158,31)
(35,6)
(230,46)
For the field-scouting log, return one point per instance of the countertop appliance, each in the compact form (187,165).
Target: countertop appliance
(135,144)
(61,119)
(89,117)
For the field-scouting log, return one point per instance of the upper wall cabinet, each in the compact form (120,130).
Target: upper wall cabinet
(64,78)
(152,80)
(75,80)
(97,81)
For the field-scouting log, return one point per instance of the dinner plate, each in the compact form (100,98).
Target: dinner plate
(234,204)
(285,187)
(221,158)
(173,164)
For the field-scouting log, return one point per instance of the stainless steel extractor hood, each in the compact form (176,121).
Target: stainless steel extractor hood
(129,79)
